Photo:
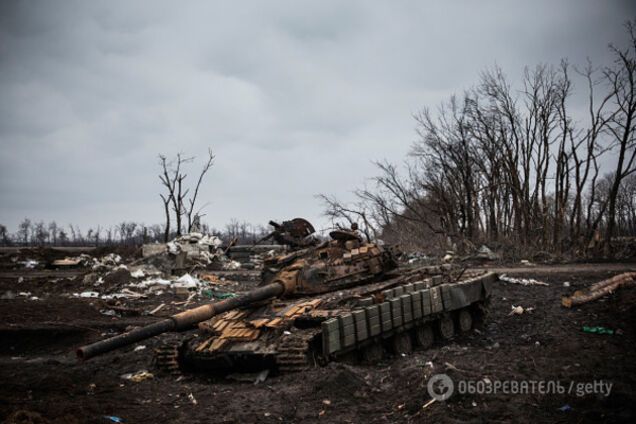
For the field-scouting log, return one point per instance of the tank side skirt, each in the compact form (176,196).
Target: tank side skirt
(455,296)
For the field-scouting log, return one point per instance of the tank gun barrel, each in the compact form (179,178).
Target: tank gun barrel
(181,321)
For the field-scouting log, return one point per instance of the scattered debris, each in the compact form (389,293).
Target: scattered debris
(522,281)
(138,273)
(86,294)
(138,348)
(517,310)
(30,263)
(138,376)
(429,403)
(157,309)
(192,399)
(114,419)
(600,289)
(565,408)
(566,284)
(67,262)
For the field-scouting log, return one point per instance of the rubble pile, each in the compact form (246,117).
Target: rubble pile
(177,267)
(188,250)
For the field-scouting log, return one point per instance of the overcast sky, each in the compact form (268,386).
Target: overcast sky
(295,98)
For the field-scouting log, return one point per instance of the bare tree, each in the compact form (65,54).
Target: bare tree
(53,232)
(191,213)
(4,236)
(172,178)
(24,231)
(40,233)
(621,79)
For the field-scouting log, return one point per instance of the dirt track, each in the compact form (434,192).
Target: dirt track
(40,374)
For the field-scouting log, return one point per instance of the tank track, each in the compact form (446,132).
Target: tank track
(167,358)
(292,354)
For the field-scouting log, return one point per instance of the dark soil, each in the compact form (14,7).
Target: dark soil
(43,383)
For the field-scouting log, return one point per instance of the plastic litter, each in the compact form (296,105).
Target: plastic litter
(187,281)
(114,419)
(598,330)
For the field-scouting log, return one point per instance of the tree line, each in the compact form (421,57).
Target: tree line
(40,233)
(515,166)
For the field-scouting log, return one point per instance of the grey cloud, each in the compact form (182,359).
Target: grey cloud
(296,98)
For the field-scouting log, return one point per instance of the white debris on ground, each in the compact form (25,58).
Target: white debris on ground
(522,281)
(106,262)
(186,284)
(30,263)
(138,273)
(171,268)
(198,247)
(519,310)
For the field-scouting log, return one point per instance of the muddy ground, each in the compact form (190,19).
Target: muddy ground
(42,382)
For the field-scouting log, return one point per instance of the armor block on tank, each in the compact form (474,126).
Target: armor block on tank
(360,321)
(407,308)
(385,316)
(330,336)
(347,330)
(426,302)
(416,302)
(388,294)
(436,299)
(398,291)
(396,312)
(408,288)
(373,320)
(366,301)
(460,295)
(419,285)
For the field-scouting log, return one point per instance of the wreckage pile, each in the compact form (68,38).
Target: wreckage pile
(179,267)
(193,249)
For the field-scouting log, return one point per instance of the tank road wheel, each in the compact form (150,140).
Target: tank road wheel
(372,354)
(465,320)
(446,327)
(401,343)
(424,336)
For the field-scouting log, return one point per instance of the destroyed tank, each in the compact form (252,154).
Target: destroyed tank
(342,298)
